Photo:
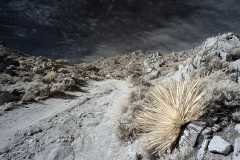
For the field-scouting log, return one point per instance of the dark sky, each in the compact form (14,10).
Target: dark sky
(83,30)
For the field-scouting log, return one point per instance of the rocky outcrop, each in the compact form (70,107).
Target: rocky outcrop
(216,53)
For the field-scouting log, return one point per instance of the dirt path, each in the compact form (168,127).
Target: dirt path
(82,128)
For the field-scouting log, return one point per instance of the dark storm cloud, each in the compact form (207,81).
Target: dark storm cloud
(88,29)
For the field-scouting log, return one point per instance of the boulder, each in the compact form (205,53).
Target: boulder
(8,97)
(235,64)
(219,145)
(237,128)
(191,134)
(202,150)
(236,152)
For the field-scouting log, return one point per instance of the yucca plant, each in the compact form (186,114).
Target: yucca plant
(172,105)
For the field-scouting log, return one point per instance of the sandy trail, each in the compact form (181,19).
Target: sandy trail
(81,128)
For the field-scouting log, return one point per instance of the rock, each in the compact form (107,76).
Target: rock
(8,97)
(237,128)
(185,70)
(207,136)
(219,145)
(17,92)
(197,61)
(139,156)
(153,75)
(236,116)
(62,62)
(88,67)
(225,122)
(37,69)
(202,150)
(146,63)
(63,70)
(236,152)
(191,133)
(235,64)
(149,70)
(215,119)
(6,62)
(159,54)
(207,131)
(216,127)
(45,65)
(157,65)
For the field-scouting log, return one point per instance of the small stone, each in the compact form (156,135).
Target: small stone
(149,70)
(157,65)
(63,70)
(52,140)
(37,70)
(30,141)
(159,54)
(207,131)
(45,65)
(108,76)
(237,128)
(216,127)
(215,119)
(219,145)
(153,75)
(71,139)
(224,123)
(207,136)
(236,152)
(139,156)
(146,63)
(236,116)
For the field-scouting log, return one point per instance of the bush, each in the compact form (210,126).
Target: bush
(172,105)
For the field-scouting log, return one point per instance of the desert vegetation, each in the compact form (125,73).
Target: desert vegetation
(171,106)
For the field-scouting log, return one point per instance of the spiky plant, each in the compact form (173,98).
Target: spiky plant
(172,105)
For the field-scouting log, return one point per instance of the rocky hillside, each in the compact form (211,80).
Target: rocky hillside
(105,96)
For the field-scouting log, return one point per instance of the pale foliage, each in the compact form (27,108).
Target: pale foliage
(171,106)
(51,75)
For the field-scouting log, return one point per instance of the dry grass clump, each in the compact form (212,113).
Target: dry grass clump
(126,128)
(6,78)
(137,80)
(62,62)
(172,105)
(34,90)
(63,70)
(37,69)
(51,75)
(167,57)
(58,87)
